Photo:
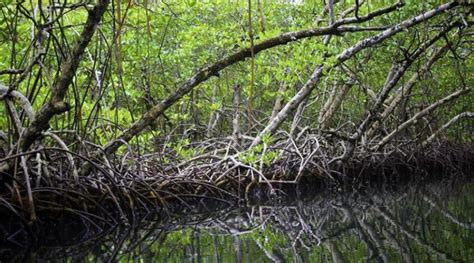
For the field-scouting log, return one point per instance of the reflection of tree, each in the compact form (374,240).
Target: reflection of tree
(384,225)
(447,214)
(406,225)
(412,235)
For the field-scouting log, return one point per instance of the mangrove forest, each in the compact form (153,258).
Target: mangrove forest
(237,131)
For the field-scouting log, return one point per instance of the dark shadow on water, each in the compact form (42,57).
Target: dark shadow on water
(429,219)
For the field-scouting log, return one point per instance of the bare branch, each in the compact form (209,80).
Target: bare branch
(420,114)
(455,119)
(11,71)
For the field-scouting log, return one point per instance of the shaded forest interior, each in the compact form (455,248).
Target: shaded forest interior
(130,105)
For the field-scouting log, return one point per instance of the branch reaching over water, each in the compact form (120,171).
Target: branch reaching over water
(207,72)
(420,114)
(348,53)
(446,126)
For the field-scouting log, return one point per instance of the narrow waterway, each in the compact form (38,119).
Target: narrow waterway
(427,221)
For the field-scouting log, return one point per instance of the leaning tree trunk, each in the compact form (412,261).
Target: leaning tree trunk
(348,53)
(56,104)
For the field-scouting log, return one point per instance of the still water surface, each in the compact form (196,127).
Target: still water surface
(415,222)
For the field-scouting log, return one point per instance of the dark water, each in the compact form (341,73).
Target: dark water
(430,221)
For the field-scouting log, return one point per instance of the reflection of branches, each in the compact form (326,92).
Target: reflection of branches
(447,214)
(413,235)
(372,234)
(333,220)
(400,245)
(272,256)
(366,235)
(335,253)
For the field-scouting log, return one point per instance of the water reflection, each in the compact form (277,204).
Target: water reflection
(425,222)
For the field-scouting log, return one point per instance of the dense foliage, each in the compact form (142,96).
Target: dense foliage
(143,51)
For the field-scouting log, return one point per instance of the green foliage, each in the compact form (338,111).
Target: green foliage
(183,149)
(164,44)
(260,153)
